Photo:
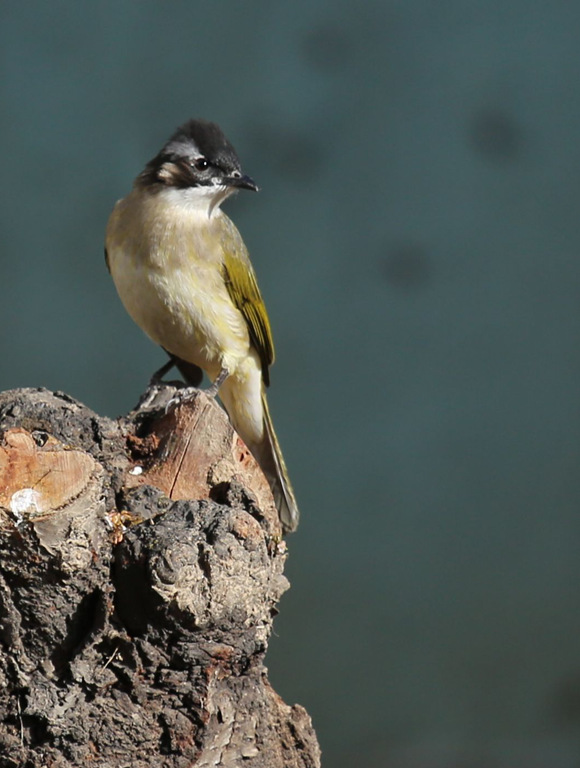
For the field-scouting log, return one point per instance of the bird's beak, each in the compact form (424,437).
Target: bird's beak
(241,182)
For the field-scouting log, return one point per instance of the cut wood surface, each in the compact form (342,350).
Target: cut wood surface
(141,562)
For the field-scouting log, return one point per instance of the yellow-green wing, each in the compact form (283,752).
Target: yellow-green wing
(244,292)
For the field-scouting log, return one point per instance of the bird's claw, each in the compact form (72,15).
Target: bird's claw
(150,395)
(181,396)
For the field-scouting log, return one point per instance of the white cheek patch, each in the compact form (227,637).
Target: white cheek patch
(167,171)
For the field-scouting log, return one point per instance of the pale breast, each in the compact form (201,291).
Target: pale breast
(166,263)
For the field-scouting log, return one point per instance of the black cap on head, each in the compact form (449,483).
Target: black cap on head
(197,155)
(208,140)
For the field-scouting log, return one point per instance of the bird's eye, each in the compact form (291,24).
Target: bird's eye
(201,164)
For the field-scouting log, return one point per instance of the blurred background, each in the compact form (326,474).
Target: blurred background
(417,242)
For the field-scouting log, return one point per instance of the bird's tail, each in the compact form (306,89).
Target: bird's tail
(266,450)
(270,459)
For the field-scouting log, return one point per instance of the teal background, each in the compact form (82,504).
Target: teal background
(417,242)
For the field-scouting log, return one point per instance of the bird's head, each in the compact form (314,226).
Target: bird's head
(199,161)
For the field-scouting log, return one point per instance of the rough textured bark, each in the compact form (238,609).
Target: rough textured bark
(133,619)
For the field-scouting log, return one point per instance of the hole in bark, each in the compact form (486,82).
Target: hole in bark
(165,747)
(220,493)
(34,728)
(133,596)
(79,627)
(40,437)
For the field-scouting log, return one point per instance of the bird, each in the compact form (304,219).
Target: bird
(184,275)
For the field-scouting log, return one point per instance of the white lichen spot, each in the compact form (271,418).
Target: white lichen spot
(26,501)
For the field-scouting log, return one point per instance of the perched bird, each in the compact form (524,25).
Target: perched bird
(184,275)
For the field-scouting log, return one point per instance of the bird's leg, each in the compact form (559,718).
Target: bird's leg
(212,391)
(157,377)
(215,387)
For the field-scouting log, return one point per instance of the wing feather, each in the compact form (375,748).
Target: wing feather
(243,288)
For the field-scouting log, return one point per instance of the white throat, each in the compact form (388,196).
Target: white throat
(201,200)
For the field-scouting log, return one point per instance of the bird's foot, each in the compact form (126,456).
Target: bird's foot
(188,393)
(182,395)
(156,386)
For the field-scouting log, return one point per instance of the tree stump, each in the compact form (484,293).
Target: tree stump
(141,561)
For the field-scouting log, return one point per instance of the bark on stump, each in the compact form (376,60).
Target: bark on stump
(133,619)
